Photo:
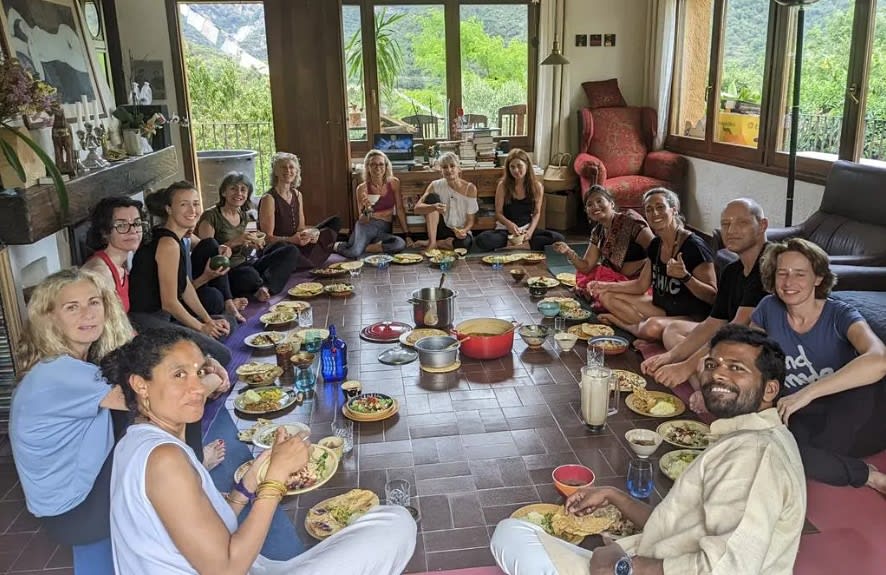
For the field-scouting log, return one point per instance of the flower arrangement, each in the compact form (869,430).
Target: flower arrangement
(135,120)
(24,97)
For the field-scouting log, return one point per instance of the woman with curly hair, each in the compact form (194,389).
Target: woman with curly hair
(60,424)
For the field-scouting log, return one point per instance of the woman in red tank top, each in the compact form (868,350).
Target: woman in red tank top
(116,231)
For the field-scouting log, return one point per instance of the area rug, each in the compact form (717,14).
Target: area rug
(557,262)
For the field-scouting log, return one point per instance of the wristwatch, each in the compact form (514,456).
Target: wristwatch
(624,566)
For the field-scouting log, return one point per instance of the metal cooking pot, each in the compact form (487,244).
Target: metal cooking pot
(433,307)
(486,338)
(437,350)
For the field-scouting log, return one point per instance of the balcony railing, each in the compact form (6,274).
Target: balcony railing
(821,133)
(258,136)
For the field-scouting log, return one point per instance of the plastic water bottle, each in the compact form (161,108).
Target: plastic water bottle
(334,357)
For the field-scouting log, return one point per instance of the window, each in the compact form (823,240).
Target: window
(439,69)
(733,80)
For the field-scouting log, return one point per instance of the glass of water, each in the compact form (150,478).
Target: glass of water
(596,357)
(641,478)
(559,324)
(306,317)
(344,428)
(355,273)
(397,492)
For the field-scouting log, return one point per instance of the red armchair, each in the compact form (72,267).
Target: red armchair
(614,151)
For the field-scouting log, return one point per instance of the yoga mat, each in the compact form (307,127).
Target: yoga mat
(558,264)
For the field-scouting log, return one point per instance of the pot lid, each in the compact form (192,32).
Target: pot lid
(398,356)
(386,330)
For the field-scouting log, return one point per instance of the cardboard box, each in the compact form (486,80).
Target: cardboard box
(561,209)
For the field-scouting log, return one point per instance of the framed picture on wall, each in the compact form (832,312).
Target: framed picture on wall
(47,37)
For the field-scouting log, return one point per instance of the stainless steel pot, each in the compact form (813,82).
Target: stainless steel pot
(433,307)
(437,350)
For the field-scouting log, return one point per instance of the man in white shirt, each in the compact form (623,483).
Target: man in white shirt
(737,509)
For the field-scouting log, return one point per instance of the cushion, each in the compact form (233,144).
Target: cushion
(628,190)
(618,140)
(870,304)
(604,94)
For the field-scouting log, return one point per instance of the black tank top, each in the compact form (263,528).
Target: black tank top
(519,211)
(144,284)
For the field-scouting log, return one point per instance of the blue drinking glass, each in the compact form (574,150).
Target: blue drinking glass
(641,478)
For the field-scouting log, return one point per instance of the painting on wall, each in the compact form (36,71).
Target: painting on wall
(596,39)
(46,36)
(150,71)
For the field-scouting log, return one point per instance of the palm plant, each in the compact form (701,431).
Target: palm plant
(389,56)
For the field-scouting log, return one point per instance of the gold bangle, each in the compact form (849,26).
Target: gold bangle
(275,496)
(231,499)
(272,484)
(274,490)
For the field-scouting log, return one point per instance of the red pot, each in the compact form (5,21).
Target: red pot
(485,338)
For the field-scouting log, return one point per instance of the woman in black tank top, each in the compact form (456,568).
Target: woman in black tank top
(518,204)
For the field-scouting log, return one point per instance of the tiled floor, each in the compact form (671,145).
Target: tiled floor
(475,444)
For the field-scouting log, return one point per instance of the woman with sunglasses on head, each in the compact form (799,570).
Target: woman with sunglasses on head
(617,248)
(258,276)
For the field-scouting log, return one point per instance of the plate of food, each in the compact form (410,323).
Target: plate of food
(685,433)
(348,266)
(294,306)
(627,380)
(575,314)
(339,289)
(262,400)
(334,514)
(409,339)
(247,434)
(377,260)
(500,259)
(655,403)
(330,272)
(408,259)
(264,435)
(278,317)
(264,339)
(256,373)
(572,528)
(543,281)
(532,258)
(566,279)
(320,469)
(370,407)
(438,253)
(306,289)
(611,344)
(621,527)
(565,302)
(674,463)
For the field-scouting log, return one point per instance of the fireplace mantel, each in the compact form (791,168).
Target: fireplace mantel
(27,216)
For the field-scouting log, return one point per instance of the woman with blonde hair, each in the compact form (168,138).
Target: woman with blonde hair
(60,424)
(449,206)
(679,268)
(378,197)
(281,215)
(518,203)
(832,399)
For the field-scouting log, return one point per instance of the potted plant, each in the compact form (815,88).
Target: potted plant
(137,129)
(22,97)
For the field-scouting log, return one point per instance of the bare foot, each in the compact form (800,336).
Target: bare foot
(231,308)
(876,479)
(374,248)
(213,454)
(241,302)
(606,318)
(420,243)
(696,403)
(262,294)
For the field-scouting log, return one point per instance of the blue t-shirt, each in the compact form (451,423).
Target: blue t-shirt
(60,436)
(812,355)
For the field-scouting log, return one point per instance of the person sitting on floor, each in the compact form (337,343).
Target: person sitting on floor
(739,508)
(281,215)
(617,248)
(833,398)
(193,528)
(739,290)
(449,206)
(518,202)
(262,274)
(379,198)
(680,270)
(161,291)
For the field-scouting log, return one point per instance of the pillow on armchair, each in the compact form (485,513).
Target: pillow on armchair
(604,94)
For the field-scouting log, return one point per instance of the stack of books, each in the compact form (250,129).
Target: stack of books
(484,144)
(466,154)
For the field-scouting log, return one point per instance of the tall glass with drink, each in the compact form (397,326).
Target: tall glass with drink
(595,396)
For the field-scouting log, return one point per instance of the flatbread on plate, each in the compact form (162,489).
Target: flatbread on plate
(334,514)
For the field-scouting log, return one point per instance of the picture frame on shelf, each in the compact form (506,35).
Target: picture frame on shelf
(44,30)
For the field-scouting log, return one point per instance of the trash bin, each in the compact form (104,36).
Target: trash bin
(214,165)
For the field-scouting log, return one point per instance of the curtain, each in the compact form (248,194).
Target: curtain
(661,30)
(552,101)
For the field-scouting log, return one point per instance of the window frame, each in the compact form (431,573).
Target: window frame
(766,157)
(452,19)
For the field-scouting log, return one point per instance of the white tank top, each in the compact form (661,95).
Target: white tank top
(141,544)
(458,206)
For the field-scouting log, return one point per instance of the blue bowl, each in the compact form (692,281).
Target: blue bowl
(549,308)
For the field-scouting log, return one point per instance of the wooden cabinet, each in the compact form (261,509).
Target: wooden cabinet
(414,183)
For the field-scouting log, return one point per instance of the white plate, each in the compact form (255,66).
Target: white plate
(291,428)
(280,336)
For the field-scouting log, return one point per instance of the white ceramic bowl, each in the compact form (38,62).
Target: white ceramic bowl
(649,441)
(565,340)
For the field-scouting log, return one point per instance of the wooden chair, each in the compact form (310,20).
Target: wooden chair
(512,120)
(427,126)
(476,120)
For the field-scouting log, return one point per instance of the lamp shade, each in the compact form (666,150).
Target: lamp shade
(795,2)
(555,58)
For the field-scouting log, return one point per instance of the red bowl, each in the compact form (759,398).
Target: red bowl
(566,475)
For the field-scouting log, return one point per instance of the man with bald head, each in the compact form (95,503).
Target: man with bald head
(743,228)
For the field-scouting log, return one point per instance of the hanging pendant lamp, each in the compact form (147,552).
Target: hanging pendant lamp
(556,58)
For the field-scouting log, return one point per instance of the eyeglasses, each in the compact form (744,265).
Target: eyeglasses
(123,227)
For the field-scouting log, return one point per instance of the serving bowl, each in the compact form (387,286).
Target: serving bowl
(534,335)
(611,344)
(548,308)
(302,359)
(518,274)
(437,350)
(570,478)
(565,340)
(644,442)
(538,290)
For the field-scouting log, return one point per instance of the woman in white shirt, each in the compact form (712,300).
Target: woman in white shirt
(449,205)
(193,528)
